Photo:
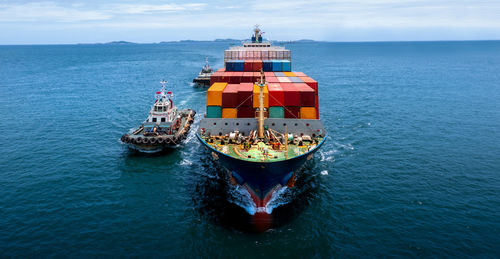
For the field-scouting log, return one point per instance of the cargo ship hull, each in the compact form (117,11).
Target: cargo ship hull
(260,178)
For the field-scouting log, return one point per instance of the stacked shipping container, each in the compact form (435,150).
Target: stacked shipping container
(234,94)
(255,65)
(243,54)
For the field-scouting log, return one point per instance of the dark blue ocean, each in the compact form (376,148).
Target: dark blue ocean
(411,166)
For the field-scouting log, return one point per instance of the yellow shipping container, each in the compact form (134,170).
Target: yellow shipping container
(214,94)
(289,74)
(308,113)
(229,113)
(256,92)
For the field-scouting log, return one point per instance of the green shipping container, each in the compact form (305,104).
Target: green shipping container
(214,112)
(276,112)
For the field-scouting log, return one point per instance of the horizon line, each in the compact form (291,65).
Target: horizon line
(123,42)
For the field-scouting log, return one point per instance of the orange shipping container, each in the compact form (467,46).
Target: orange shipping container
(214,94)
(229,113)
(308,113)
(256,92)
(289,74)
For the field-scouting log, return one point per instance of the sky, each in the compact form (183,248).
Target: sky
(91,21)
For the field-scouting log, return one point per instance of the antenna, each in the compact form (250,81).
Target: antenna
(163,82)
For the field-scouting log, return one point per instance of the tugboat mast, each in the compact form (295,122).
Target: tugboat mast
(163,82)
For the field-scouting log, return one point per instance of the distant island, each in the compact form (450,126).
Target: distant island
(122,42)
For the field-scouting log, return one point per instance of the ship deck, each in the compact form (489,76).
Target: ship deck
(260,151)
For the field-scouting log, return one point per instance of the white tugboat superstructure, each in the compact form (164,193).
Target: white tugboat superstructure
(165,126)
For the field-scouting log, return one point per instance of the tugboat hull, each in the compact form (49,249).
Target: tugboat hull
(150,142)
(202,82)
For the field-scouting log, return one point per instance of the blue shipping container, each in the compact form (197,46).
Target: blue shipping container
(287,66)
(277,66)
(239,65)
(229,66)
(267,65)
(295,79)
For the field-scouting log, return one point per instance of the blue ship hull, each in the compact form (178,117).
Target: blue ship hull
(261,178)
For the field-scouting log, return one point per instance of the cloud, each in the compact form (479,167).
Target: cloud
(282,19)
(149,8)
(80,12)
(47,11)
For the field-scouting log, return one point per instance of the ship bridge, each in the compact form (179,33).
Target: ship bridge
(258,49)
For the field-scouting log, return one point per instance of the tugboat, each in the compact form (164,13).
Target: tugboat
(165,127)
(203,79)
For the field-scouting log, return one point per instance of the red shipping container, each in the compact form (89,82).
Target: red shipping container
(247,77)
(224,77)
(272,80)
(310,82)
(292,95)
(245,93)
(292,112)
(317,106)
(299,74)
(227,77)
(269,74)
(256,76)
(276,94)
(307,95)
(246,112)
(248,66)
(215,77)
(236,77)
(230,96)
(257,65)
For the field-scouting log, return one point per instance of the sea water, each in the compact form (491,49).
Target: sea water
(411,166)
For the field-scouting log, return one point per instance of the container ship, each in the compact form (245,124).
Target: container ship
(262,120)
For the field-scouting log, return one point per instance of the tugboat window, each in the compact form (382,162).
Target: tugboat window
(154,119)
(162,119)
